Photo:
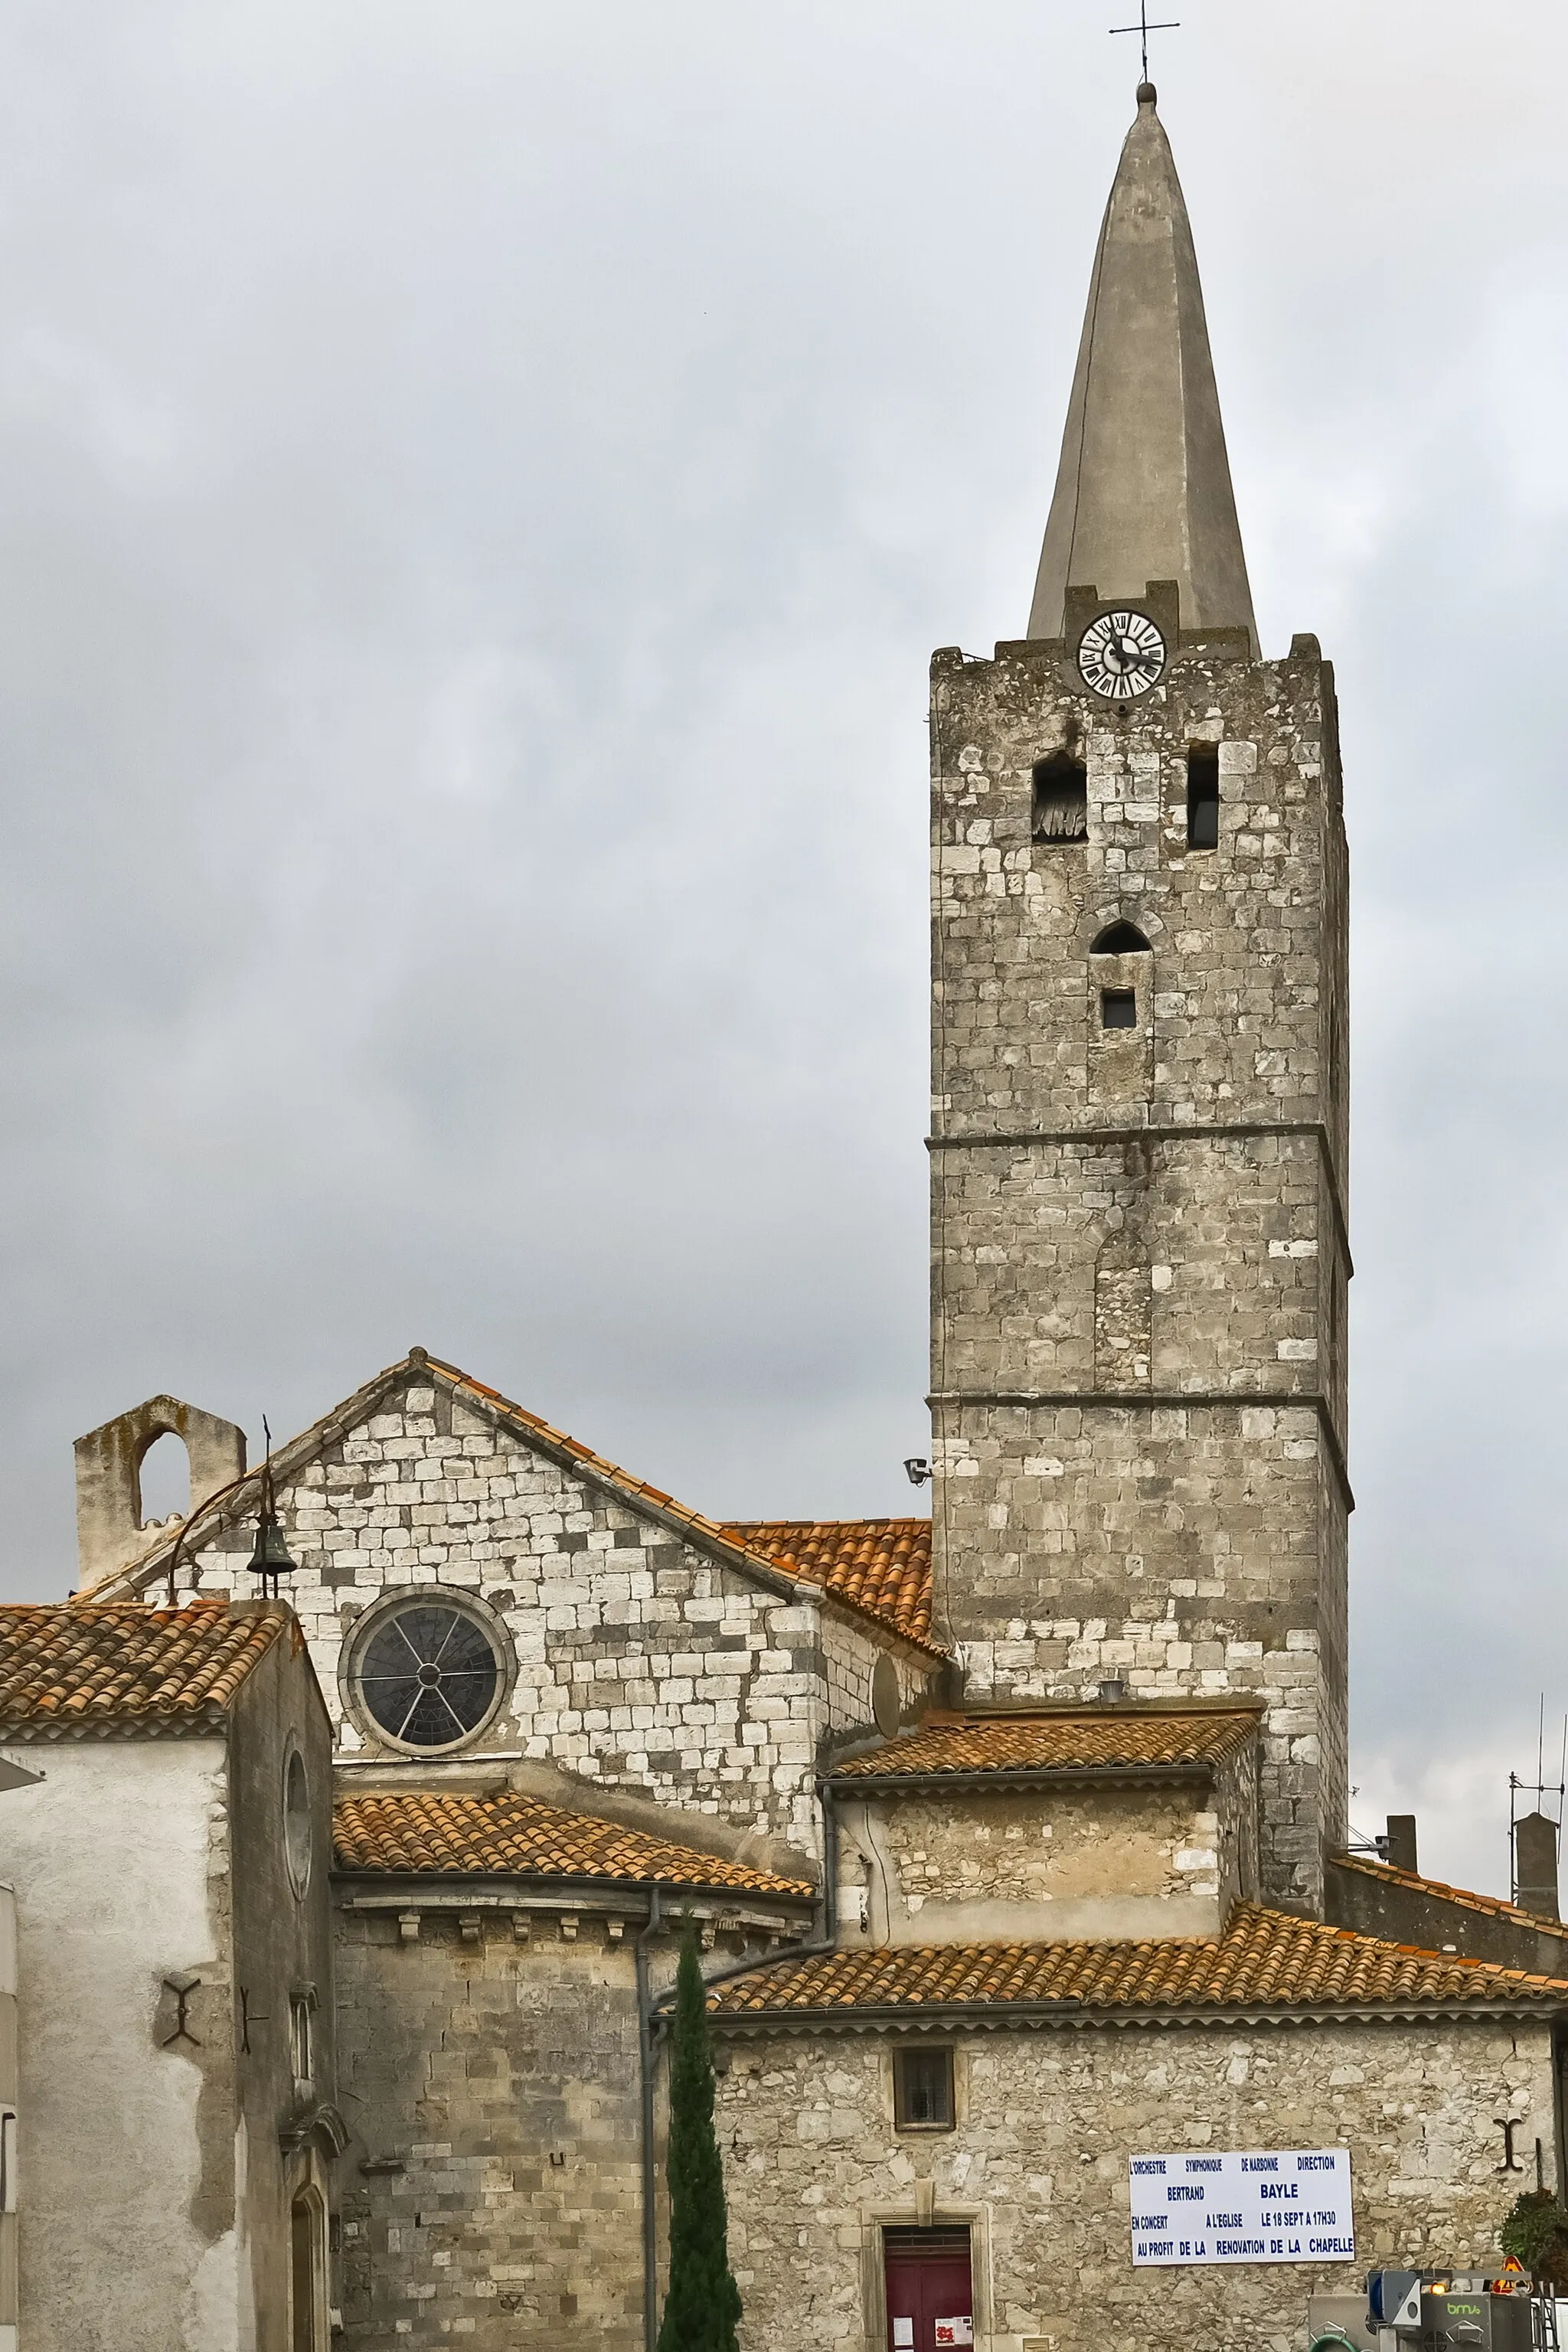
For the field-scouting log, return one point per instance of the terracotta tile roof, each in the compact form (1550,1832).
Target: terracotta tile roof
(1491,1907)
(1082,1740)
(882,1565)
(426,1831)
(1266,1959)
(68,1669)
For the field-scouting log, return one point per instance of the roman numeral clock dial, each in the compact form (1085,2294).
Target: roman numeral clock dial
(1122,655)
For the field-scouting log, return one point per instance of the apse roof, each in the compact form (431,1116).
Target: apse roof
(517,1834)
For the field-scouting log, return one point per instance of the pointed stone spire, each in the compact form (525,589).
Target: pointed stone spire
(1143,492)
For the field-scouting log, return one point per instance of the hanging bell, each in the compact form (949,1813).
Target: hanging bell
(270,1557)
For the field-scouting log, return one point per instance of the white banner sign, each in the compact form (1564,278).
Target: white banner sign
(1288,2207)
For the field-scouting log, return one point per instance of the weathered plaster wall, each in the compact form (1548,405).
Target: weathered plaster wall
(1037,2167)
(637,1660)
(127,2135)
(1376,1903)
(1139,1266)
(971,1866)
(494,2185)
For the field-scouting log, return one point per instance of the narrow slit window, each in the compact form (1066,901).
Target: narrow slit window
(1118,1008)
(1061,799)
(922,2090)
(1202,798)
(301,2039)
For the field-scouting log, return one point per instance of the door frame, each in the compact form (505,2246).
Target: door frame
(306,2186)
(922,2213)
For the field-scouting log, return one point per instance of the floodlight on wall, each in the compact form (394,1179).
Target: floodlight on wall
(916,1469)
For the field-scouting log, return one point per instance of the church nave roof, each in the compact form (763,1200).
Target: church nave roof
(882,1565)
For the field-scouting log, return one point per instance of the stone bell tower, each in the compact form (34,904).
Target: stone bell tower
(1141,1108)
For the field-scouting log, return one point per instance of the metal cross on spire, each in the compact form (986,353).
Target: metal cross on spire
(1143,28)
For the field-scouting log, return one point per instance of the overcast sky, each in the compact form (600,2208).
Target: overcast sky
(480,486)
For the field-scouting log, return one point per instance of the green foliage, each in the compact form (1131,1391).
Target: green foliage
(1536,2234)
(703,2303)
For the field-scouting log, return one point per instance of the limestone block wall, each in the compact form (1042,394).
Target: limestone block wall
(1139,1245)
(1248,1002)
(849,1655)
(930,1864)
(1183,1550)
(493,2190)
(1223,1233)
(1028,1866)
(632,1658)
(1037,2169)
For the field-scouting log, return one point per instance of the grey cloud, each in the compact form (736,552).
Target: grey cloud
(478,488)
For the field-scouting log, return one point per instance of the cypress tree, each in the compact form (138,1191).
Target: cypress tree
(703,2304)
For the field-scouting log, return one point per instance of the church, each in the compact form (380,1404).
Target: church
(1016,1838)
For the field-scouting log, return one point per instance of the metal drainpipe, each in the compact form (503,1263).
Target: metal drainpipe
(645,2056)
(815,1951)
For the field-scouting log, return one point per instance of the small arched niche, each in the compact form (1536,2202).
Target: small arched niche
(1061,809)
(1121,940)
(163,1481)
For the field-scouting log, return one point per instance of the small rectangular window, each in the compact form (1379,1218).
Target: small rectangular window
(1118,1008)
(922,2089)
(1202,798)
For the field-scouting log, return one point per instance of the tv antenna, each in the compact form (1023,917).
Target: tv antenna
(1540,1788)
(1143,28)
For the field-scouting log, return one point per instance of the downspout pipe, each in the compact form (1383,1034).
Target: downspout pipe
(826,1940)
(646,2059)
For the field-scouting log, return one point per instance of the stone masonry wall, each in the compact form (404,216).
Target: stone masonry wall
(1033,1847)
(635,1659)
(926,1865)
(1139,1257)
(494,2191)
(1037,2167)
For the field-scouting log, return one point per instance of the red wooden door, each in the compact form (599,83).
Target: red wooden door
(930,2303)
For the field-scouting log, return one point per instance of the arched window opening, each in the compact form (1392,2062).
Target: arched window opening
(163,1482)
(1202,796)
(1121,938)
(1061,799)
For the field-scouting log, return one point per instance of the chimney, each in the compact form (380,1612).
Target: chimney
(1535,1866)
(1399,1845)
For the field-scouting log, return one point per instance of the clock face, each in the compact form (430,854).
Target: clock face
(1122,654)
